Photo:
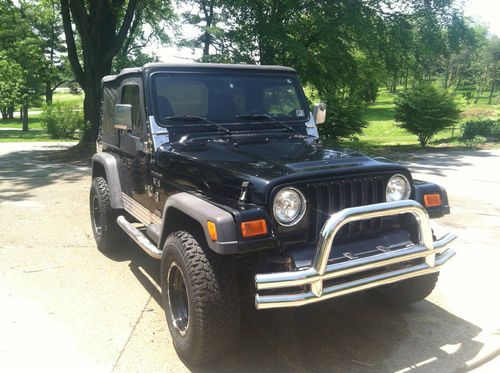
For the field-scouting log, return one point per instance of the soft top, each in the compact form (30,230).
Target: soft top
(194,67)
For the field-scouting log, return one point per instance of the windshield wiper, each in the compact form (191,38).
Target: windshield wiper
(196,118)
(266,116)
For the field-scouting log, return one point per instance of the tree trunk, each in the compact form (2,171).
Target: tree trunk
(4,113)
(208,10)
(92,99)
(101,36)
(48,93)
(493,83)
(25,117)
(10,112)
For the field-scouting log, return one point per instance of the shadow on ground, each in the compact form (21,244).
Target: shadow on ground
(438,163)
(349,334)
(25,170)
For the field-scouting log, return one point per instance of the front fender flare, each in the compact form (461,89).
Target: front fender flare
(202,211)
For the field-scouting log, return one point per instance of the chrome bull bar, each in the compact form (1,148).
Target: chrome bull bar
(435,255)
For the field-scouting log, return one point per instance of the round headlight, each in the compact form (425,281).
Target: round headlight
(398,188)
(289,206)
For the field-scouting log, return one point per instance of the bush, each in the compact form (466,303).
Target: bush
(344,119)
(481,127)
(476,141)
(426,110)
(62,121)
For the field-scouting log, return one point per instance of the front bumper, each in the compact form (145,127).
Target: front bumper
(308,285)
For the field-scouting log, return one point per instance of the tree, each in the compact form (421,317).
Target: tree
(425,110)
(11,82)
(45,21)
(344,119)
(30,57)
(205,15)
(103,28)
(21,45)
(494,58)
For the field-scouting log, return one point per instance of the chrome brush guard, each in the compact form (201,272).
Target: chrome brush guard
(308,285)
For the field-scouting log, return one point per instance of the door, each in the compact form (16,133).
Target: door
(136,159)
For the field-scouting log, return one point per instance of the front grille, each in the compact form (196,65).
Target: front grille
(328,197)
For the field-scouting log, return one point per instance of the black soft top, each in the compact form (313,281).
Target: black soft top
(194,67)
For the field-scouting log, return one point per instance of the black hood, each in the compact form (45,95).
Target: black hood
(212,164)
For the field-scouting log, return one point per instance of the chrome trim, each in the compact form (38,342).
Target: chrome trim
(138,211)
(159,135)
(139,238)
(435,254)
(311,127)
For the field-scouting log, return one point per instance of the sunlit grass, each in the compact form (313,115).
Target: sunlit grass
(383,131)
(36,131)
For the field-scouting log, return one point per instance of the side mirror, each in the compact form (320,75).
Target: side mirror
(319,113)
(122,117)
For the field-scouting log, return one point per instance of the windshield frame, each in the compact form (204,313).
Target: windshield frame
(237,124)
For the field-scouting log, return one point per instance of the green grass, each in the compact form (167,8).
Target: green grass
(68,98)
(382,132)
(33,123)
(36,129)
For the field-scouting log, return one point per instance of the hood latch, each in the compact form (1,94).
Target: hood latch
(244,192)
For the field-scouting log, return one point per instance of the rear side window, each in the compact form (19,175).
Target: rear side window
(130,95)
(109,99)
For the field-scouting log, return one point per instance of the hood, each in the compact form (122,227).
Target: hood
(263,161)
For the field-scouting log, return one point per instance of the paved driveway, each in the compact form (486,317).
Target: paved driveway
(64,307)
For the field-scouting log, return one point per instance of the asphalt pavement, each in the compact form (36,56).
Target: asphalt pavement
(65,307)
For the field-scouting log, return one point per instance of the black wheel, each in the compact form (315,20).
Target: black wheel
(405,292)
(200,299)
(107,233)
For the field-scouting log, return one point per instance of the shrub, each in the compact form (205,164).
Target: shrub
(481,127)
(62,121)
(476,141)
(344,119)
(495,132)
(426,110)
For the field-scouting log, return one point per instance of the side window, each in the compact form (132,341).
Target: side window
(130,95)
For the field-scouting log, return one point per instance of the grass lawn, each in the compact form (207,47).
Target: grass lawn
(36,130)
(68,98)
(382,133)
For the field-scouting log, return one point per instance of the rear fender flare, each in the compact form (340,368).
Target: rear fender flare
(106,165)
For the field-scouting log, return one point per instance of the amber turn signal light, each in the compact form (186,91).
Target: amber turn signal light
(212,230)
(432,200)
(253,228)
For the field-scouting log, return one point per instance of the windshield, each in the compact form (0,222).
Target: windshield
(226,98)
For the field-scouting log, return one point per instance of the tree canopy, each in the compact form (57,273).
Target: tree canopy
(344,50)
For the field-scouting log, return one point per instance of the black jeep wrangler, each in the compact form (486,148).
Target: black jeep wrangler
(217,170)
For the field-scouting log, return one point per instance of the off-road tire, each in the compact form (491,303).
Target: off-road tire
(108,235)
(213,320)
(405,292)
